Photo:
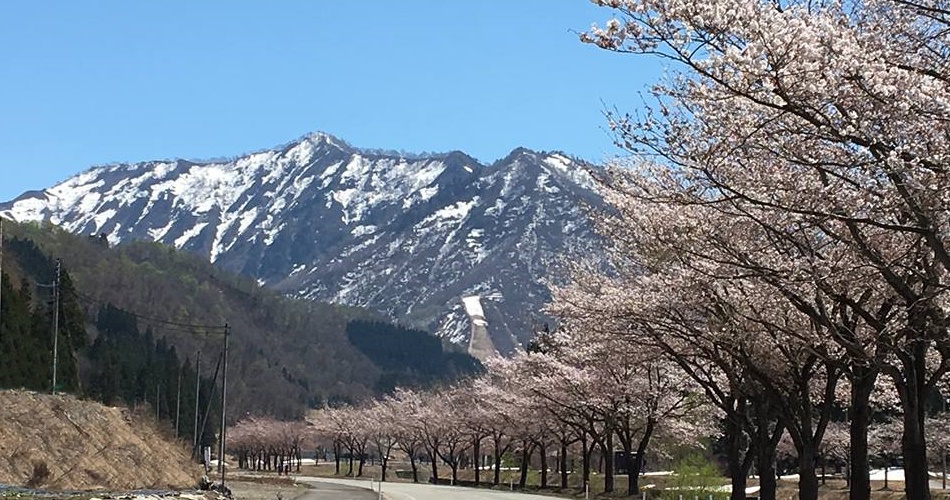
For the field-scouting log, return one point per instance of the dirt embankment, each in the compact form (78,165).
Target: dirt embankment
(63,443)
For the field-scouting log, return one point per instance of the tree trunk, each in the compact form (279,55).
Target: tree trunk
(477,453)
(585,460)
(434,458)
(862,384)
(738,465)
(527,450)
(563,465)
(913,442)
(415,468)
(767,482)
(337,451)
(497,455)
(383,462)
(766,464)
(914,446)
(633,475)
(608,461)
(734,447)
(808,479)
(544,466)
(764,449)
(359,473)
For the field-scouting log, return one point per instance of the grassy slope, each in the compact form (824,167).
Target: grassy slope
(85,445)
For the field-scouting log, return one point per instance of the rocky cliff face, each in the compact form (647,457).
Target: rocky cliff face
(317,218)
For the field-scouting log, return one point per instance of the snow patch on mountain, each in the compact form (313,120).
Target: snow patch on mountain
(192,232)
(473,307)
(408,235)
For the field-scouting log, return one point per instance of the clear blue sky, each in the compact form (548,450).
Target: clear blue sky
(86,83)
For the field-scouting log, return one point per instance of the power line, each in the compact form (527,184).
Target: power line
(174,326)
(192,328)
(164,325)
(189,328)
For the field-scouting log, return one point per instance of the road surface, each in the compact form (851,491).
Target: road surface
(331,491)
(411,491)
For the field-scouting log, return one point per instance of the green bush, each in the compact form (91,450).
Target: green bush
(694,476)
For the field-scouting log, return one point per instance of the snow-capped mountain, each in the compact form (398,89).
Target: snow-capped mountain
(317,218)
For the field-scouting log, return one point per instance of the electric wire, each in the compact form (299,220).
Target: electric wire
(165,325)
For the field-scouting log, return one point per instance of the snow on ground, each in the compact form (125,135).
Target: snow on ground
(893,474)
(473,307)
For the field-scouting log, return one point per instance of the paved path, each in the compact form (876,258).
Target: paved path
(412,491)
(331,491)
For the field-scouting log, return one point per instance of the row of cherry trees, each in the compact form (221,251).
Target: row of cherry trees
(266,444)
(781,231)
(568,394)
(777,243)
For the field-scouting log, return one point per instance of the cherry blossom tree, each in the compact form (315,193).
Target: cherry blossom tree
(445,410)
(836,445)
(739,355)
(825,123)
(493,415)
(938,439)
(346,429)
(263,443)
(885,443)
(408,437)
(425,421)
(379,421)
(604,391)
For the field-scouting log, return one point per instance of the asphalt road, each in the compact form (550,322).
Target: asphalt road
(331,491)
(410,491)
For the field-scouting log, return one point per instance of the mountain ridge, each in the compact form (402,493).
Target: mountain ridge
(408,235)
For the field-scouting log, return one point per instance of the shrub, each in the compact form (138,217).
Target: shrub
(40,474)
(694,476)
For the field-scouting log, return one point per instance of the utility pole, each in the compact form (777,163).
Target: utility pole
(224,402)
(1,270)
(56,322)
(178,403)
(197,397)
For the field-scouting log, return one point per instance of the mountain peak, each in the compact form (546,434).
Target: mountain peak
(312,141)
(519,153)
(317,218)
(320,137)
(523,153)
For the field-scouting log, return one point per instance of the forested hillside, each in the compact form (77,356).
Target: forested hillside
(26,325)
(122,365)
(133,319)
(408,357)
